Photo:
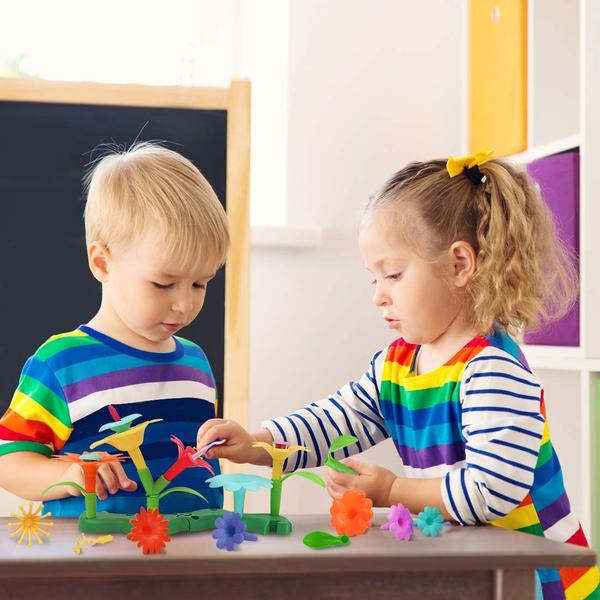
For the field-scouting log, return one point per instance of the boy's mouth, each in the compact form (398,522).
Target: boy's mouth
(171,327)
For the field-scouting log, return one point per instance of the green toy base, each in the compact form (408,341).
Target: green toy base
(199,520)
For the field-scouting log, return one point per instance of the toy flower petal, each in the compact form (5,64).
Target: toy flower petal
(352,513)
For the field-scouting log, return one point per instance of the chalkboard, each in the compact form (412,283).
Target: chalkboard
(45,283)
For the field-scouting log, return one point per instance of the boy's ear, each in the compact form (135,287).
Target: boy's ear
(463,263)
(99,260)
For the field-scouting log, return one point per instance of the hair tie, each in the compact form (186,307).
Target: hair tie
(469,165)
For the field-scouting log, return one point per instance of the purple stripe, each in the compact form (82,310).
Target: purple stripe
(554,512)
(150,374)
(432,456)
(553,590)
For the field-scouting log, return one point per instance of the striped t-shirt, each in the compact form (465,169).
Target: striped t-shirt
(62,400)
(478,422)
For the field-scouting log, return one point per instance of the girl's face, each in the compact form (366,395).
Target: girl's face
(416,299)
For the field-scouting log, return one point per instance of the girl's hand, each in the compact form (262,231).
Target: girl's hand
(238,446)
(376,482)
(111,478)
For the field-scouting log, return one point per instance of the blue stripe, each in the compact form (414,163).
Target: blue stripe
(467,497)
(379,426)
(371,440)
(339,431)
(503,375)
(508,360)
(501,393)
(498,476)
(371,406)
(452,503)
(300,442)
(422,418)
(510,427)
(499,458)
(502,497)
(312,437)
(352,432)
(39,370)
(321,425)
(515,446)
(503,409)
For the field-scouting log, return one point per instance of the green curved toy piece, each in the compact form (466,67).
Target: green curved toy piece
(342,441)
(89,498)
(321,539)
(310,476)
(184,490)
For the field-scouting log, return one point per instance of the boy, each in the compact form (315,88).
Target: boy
(156,234)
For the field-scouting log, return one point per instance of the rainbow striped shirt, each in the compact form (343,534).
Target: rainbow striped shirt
(478,422)
(62,400)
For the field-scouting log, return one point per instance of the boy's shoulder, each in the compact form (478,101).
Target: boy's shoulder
(61,342)
(191,348)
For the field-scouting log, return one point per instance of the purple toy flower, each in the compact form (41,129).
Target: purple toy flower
(230,531)
(399,522)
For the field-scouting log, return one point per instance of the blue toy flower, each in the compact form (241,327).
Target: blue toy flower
(231,531)
(430,521)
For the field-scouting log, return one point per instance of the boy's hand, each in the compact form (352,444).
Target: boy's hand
(111,478)
(238,446)
(376,482)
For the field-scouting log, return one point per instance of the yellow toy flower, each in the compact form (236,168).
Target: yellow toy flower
(129,441)
(279,451)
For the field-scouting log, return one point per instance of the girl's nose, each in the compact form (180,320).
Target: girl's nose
(380,298)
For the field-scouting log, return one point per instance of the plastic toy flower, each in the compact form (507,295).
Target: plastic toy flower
(279,451)
(399,522)
(352,513)
(430,521)
(239,484)
(185,460)
(150,531)
(231,531)
(119,424)
(29,523)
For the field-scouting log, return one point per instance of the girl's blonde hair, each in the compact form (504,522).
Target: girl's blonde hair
(148,185)
(524,273)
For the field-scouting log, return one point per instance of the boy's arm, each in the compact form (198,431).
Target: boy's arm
(26,474)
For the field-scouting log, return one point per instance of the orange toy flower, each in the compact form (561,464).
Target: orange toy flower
(90,463)
(150,531)
(351,514)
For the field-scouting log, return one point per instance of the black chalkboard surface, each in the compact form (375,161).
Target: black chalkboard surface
(45,284)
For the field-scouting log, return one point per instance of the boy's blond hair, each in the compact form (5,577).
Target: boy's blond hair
(524,273)
(151,186)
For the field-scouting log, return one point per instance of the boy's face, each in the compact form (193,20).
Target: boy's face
(149,295)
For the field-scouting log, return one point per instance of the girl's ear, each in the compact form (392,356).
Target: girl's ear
(463,263)
(99,260)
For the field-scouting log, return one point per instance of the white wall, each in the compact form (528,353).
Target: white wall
(372,85)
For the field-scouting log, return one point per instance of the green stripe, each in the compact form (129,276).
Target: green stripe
(45,397)
(545,454)
(415,399)
(52,347)
(535,529)
(25,447)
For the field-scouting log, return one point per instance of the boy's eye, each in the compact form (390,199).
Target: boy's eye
(162,286)
(200,286)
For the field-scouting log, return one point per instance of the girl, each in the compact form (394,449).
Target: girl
(463,256)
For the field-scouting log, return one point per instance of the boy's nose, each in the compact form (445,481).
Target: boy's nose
(183,304)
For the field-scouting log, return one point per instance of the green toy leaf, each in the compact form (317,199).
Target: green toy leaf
(321,539)
(341,442)
(339,466)
(69,483)
(185,490)
(310,476)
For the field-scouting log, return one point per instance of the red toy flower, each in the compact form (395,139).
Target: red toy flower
(150,531)
(351,514)
(185,460)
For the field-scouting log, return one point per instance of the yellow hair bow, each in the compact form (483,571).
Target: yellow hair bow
(456,165)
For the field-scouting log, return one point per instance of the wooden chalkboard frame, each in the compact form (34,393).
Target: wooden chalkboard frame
(236,101)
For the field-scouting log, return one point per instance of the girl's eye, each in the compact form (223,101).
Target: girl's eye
(373,282)
(394,276)
(162,286)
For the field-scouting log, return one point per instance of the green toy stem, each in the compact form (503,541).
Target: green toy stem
(159,485)
(90,504)
(276,497)
(147,481)
(152,501)
(69,483)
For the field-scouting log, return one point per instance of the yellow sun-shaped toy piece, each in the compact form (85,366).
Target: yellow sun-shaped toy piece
(29,523)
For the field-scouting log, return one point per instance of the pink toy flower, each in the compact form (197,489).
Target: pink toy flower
(185,459)
(400,522)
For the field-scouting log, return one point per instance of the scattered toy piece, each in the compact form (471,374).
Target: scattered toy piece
(430,521)
(90,541)
(399,522)
(321,539)
(29,523)
(352,513)
(231,531)
(150,531)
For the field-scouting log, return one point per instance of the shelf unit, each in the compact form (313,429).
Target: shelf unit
(563,87)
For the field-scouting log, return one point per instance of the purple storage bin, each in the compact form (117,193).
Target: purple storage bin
(558,177)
